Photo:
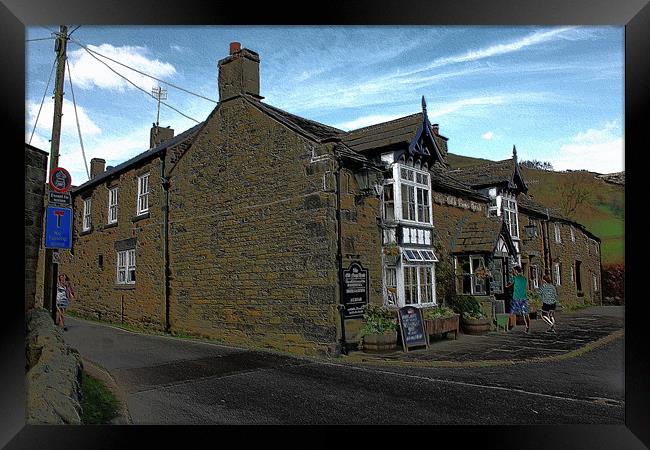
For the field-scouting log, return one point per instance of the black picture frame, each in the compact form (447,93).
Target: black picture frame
(634,15)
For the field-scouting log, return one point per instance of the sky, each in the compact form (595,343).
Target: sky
(556,93)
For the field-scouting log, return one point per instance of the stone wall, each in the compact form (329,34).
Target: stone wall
(253,235)
(53,379)
(91,264)
(35,178)
(584,249)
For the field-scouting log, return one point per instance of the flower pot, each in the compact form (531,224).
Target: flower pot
(443,325)
(476,326)
(373,343)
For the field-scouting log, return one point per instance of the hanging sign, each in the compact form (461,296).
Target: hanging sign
(355,290)
(60,180)
(412,329)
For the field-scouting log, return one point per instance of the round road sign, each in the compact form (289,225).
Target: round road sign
(60,180)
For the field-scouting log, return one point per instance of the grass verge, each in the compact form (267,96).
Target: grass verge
(98,403)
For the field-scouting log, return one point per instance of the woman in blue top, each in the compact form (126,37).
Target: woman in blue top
(519,304)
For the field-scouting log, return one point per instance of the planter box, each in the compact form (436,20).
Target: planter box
(373,343)
(443,325)
(476,326)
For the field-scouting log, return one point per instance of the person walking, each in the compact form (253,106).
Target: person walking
(519,303)
(64,294)
(548,293)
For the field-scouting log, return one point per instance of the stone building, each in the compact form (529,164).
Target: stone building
(262,228)
(35,174)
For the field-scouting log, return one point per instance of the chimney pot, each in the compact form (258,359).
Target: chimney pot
(234,47)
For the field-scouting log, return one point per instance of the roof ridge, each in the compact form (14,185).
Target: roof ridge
(368,127)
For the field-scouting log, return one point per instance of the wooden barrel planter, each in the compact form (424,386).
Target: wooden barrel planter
(476,326)
(373,343)
(443,325)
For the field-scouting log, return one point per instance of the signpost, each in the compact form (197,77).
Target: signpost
(58,227)
(355,290)
(412,328)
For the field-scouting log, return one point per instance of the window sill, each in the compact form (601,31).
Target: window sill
(144,215)
(124,287)
(110,225)
(85,232)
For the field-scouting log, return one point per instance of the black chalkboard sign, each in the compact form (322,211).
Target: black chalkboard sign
(355,290)
(411,326)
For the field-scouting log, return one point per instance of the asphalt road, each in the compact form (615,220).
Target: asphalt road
(172,381)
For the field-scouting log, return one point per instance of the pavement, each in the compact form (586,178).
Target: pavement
(577,332)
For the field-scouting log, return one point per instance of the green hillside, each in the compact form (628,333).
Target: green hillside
(602,211)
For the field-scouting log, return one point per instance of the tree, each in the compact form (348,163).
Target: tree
(539,165)
(571,194)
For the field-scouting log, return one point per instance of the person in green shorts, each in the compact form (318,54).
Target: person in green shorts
(519,304)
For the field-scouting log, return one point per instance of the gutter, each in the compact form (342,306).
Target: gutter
(164,182)
(339,256)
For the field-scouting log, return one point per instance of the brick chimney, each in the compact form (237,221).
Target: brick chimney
(96,167)
(158,134)
(436,129)
(239,73)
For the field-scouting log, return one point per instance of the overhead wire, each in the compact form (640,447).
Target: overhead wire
(143,73)
(74,103)
(40,39)
(133,84)
(42,101)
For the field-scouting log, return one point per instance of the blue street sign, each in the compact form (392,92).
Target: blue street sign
(58,227)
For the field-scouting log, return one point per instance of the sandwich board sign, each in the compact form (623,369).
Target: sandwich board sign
(412,328)
(58,227)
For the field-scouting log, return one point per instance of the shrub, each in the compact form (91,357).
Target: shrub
(439,312)
(614,281)
(378,320)
(468,307)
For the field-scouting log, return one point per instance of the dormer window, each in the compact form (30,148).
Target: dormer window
(510,215)
(415,193)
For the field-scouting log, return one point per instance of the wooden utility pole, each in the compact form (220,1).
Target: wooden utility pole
(60,46)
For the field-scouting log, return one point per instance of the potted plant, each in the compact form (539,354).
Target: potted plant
(534,305)
(379,330)
(472,320)
(441,320)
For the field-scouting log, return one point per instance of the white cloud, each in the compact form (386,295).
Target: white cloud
(488,136)
(88,72)
(599,150)
(68,122)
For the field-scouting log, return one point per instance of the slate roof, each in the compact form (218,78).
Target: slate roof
(488,174)
(442,181)
(178,140)
(394,133)
(478,235)
(527,205)
(312,129)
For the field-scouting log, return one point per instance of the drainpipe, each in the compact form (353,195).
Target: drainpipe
(339,255)
(164,181)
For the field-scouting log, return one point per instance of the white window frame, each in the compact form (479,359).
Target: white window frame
(398,183)
(534,275)
(113,194)
(558,233)
(87,217)
(400,270)
(557,272)
(125,266)
(142,201)
(573,234)
(481,263)
(510,210)
(595,280)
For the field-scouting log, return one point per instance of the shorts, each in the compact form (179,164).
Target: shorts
(519,306)
(548,306)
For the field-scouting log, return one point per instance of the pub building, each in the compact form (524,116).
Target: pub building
(258,227)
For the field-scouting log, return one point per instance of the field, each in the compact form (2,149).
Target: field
(602,211)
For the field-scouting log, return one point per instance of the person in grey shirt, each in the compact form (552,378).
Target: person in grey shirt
(548,293)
